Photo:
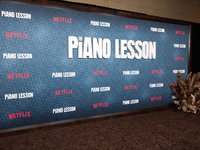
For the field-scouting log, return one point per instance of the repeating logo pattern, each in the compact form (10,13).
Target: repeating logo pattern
(60,64)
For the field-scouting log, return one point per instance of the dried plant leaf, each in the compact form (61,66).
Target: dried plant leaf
(187,92)
(197,77)
(188,77)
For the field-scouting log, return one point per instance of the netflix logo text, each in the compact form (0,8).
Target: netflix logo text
(179,58)
(20,115)
(131,27)
(180,32)
(16,35)
(97,105)
(18,75)
(127,87)
(156,98)
(62,19)
(156,71)
(63,92)
(95,73)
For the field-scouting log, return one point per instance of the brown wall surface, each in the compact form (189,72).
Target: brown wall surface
(187,10)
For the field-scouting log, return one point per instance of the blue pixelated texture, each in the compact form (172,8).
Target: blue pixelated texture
(48,43)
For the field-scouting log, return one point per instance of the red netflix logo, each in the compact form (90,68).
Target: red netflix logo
(156,98)
(16,35)
(63,92)
(20,115)
(97,105)
(95,73)
(180,32)
(179,58)
(61,19)
(18,75)
(156,71)
(127,87)
(131,27)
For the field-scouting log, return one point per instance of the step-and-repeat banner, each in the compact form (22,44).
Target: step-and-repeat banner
(59,64)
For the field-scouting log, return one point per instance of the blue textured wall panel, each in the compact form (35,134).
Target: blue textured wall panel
(39,83)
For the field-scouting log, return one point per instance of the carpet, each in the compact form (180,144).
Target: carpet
(167,129)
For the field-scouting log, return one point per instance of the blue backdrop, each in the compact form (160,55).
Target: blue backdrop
(39,83)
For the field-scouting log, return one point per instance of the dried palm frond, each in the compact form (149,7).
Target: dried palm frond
(187,92)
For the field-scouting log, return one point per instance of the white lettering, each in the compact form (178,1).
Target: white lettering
(25,95)
(57,110)
(24,56)
(11,96)
(69,109)
(7,14)
(23,15)
(129,102)
(9,55)
(176,71)
(156,85)
(131,72)
(96,89)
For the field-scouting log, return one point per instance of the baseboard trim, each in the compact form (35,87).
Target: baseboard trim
(25,129)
